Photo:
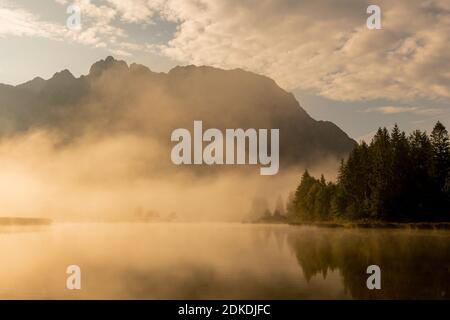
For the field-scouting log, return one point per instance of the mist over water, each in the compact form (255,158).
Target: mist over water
(221,260)
(96,159)
(89,182)
(110,178)
(98,147)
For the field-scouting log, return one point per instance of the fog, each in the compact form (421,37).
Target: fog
(98,147)
(113,177)
(157,261)
(221,261)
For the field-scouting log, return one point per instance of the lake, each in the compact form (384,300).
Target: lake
(221,261)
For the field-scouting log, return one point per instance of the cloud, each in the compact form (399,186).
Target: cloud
(120,53)
(322,46)
(19,22)
(137,11)
(98,29)
(402,109)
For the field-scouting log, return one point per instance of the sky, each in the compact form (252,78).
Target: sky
(321,50)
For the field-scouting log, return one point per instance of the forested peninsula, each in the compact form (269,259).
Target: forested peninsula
(396,178)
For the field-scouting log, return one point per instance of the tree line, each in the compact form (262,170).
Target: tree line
(394,178)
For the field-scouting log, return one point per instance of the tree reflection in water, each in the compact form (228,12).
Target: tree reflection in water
(414,264)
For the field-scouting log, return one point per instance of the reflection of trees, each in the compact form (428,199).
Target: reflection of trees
(414,265)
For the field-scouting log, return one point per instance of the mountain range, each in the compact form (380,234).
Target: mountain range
(116,97)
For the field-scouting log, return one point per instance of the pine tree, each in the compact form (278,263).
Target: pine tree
(441,152)
(394,178)
(381,174)
(279,207)
(421,191)
(398,199)
(441,162)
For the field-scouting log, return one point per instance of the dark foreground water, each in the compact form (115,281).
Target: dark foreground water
(230,261)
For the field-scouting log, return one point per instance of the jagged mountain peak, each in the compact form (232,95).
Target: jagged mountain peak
(34,85)
(64,75)
(110,63)
(134,98)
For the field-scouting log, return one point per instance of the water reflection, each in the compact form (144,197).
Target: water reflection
(414,264)
(223,261)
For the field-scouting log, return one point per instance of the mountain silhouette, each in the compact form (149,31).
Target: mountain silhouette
(115,97)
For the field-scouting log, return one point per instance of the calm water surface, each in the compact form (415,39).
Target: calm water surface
(222,261)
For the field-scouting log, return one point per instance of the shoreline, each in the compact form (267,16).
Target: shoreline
(15,221)
(361,224)
(378,225)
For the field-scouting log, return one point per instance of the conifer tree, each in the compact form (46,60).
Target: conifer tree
(394,178)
